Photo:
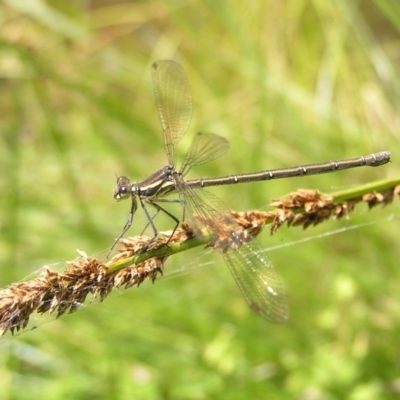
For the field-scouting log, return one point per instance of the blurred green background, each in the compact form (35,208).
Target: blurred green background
(287,82)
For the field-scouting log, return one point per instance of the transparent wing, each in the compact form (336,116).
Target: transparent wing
(205,147)
(258,281)
(253,272)
(174,102)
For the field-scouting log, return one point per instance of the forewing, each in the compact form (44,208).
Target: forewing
(253,272)
(258,281)
(174,102)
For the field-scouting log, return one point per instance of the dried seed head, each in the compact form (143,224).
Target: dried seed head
(64,292)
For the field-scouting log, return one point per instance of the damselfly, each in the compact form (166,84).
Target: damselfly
(252,271)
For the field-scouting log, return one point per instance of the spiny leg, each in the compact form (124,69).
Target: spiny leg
(150,219)
(127,225)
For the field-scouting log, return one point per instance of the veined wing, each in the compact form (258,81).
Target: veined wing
(174,102)
(253,272)
(258,281)
(205,147)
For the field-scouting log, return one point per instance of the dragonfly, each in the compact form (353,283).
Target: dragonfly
(251,269)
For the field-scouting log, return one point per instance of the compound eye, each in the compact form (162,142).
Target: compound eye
(122,190)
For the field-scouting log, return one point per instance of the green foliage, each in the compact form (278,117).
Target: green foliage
(287,82)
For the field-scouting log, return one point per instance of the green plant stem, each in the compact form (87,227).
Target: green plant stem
(163,251)
(354,193)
